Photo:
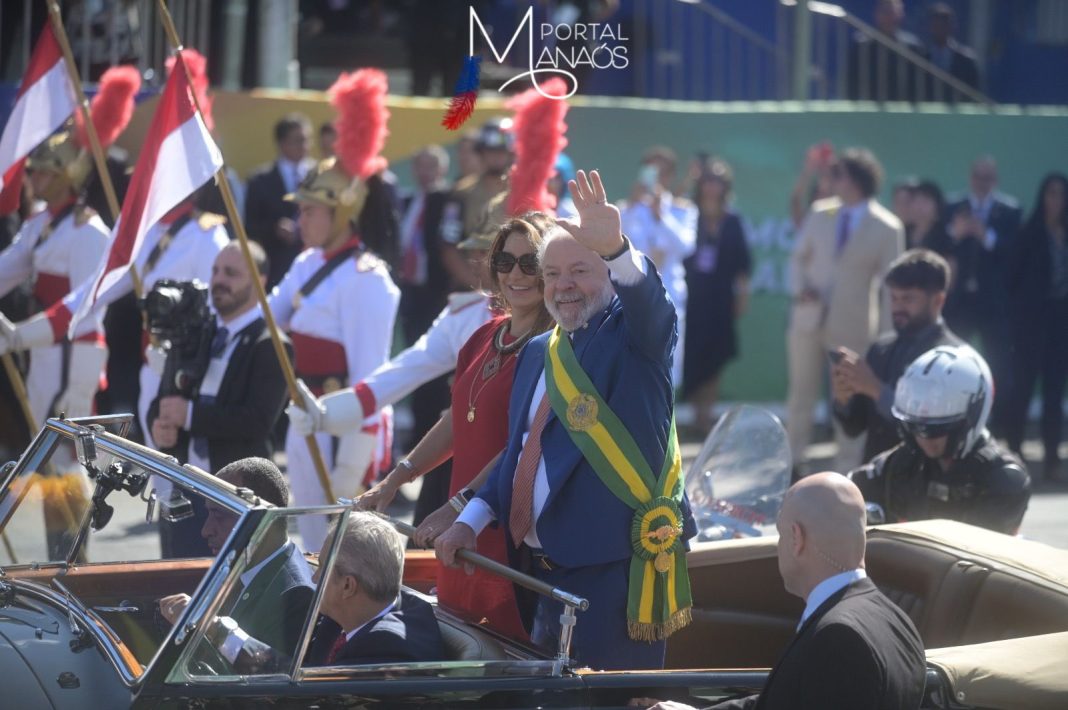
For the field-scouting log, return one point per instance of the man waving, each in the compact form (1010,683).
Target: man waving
(589,486)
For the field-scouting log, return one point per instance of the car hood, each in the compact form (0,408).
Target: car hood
(1025,672)
(39,667)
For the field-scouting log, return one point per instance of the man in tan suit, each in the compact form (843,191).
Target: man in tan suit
(844,248)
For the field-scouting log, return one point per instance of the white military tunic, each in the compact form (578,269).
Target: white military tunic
(62,260)
(341,332)
(189,256)
(431,356)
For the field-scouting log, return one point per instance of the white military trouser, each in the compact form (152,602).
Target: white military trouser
(346,478)
(62,512)
(45,378)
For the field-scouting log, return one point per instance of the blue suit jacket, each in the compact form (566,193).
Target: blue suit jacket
(627,352)
(409,633)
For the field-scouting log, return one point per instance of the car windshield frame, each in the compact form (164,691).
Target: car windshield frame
(113,447)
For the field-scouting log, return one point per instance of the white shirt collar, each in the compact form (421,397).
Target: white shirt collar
(240,323)
(247,577)
(826,589)
(376,617)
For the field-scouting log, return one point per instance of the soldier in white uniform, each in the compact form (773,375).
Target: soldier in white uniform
(181,246)
(339,305)
(58,249)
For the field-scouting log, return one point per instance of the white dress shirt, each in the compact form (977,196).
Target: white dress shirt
(626,270)
(856,213)
(981,210)
(292,173)
(827,589)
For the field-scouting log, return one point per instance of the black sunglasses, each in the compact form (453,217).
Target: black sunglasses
(503,263)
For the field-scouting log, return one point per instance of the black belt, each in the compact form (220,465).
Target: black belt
(542,561)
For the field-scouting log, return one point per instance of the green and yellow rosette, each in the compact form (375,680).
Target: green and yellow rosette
(659,601)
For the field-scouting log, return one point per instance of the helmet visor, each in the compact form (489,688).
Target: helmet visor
(931,430)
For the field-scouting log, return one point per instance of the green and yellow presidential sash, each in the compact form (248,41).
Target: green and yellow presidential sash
(658,601)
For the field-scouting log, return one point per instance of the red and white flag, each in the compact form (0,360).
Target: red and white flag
(45,100)
(177,157)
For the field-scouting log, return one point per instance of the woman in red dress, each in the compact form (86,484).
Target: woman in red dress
(474,431)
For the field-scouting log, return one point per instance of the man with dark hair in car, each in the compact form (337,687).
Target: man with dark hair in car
(270,599)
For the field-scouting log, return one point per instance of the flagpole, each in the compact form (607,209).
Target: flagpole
(261,294)
(94,140)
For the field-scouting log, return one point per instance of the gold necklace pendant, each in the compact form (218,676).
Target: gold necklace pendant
(471,414)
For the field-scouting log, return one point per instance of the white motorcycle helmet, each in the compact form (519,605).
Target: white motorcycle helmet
(947,391)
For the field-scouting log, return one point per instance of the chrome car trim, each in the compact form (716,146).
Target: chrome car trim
(320,589)
(91,623)
(213,592)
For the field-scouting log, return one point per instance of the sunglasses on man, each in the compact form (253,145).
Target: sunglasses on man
(503,263)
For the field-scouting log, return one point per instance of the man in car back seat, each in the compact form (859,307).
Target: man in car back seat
(854,647)
(366,617)
(948,466)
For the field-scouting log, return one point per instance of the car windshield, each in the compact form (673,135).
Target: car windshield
(74,516)
(257,621)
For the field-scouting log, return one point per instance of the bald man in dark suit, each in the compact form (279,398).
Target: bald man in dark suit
(854,647)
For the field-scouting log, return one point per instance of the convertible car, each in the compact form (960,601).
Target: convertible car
(80,627)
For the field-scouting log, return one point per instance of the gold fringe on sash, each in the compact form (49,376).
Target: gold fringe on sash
(640,631)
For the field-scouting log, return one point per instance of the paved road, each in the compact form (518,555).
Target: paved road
(128,537)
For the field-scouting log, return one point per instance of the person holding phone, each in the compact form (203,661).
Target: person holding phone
(664,227)
(863,389)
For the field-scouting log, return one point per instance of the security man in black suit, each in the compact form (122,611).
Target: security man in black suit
(864,389)
(269,218)
(240,397)
(854,647)
(983,225)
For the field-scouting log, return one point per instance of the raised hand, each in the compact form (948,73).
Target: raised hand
(598,226)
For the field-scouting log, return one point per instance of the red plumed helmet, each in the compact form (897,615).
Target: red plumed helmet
(539,129)
(198,71)
(359,98)
(112,107)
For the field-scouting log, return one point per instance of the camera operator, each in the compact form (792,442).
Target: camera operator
(863,388)
(240,395)
(948,466)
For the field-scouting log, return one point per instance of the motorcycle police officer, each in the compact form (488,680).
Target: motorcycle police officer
(948,465)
